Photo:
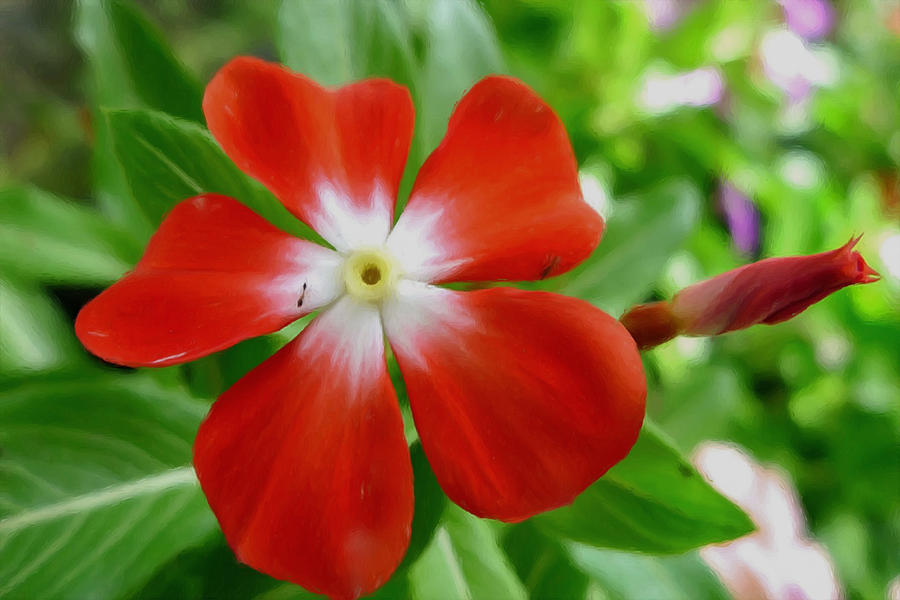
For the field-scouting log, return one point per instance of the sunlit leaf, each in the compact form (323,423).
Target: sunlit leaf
(96,485)
(341,41)
(109,76)
(35,334)
(627,575)
(460,47)
(54,240)
(463,561)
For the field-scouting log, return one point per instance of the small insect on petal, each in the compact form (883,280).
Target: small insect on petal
(302,295)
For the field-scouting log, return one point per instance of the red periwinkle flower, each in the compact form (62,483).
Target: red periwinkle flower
(768,291)
(521,399)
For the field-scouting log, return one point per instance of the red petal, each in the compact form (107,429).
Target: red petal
(214,274)
(499,198)
(521,399)
(305,464)
(333,157)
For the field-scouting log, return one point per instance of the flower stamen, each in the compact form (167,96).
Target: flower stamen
(371,274)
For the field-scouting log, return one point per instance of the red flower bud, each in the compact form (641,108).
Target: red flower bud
(769,291)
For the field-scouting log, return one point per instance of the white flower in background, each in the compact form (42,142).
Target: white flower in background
(792,65)
(889,251)
(595,193)
(779,561)
(893,589)
(662,92)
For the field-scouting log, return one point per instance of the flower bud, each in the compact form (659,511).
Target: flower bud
(769,291)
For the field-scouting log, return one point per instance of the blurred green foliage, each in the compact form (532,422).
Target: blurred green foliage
(102,133)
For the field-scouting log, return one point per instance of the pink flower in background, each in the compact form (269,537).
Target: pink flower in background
(811,19)
(665,14)
(779,561)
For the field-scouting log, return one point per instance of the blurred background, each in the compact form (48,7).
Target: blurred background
(711,133)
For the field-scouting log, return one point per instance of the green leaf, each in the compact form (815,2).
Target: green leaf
(430,503)
(52,240)
(626,575)
(641,235)
(543,564)
(341,41)
(167,160)
(160,80)
(210,571)
(461,47)
(289,591)
(131,63)
(108,84)
(35,334)
(464,561)
(109,77)
(96,485)
(653,501)
(129,66)
(702,407)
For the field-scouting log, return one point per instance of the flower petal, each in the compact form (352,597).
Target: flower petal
(333,157)
(304,461)
(521,399)
(499,198)
(214,274)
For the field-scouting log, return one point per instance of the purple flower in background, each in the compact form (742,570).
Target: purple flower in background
(811,19)
(741,218)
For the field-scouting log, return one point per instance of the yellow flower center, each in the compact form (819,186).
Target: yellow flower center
(370,274)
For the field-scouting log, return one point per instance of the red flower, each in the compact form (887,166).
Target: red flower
(521,399)
(768,291)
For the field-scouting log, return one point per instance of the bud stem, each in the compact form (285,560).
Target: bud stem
(650,324)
